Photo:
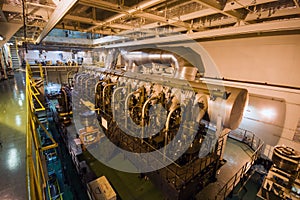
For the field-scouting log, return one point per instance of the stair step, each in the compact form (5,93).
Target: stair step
(14,55)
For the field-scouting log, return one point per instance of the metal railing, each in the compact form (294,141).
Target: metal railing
(175,174)
(36,171)
(256,145)
(58,74)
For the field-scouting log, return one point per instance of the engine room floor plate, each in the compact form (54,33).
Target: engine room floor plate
(236,155)
(127,185)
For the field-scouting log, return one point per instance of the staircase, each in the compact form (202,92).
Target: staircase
(14,54)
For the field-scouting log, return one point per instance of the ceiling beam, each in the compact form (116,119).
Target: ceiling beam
(233,5)
(251,17)
(218,7)
(157,18)
(97,23)
(296,3)
(3,16)
(82,19)
(15,9)
(124,11)
(40,5)
(274,26)
(272,14)
(68,40)
(37,24)
(103,5)
(120,26)
(208,11)
(60,11)
(67,27)
(11,8)
(189,16)
(73,28)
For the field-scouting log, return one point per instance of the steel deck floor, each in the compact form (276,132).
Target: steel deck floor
(13,138)
(236,154)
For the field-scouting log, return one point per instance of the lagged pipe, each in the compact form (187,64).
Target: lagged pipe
(140,58)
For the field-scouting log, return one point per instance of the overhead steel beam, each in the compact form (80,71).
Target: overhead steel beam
(137,11)
(82,19)
(37,24)
(40,5)
(273,26)
(65,40)
(233,5)
(11,8)
(120,26)
(107,39)
(15,9)
(124,11)
(270,14)
(97,23)
(296,3)
(104,32)
(163,20)
(60,11)
(218,7)
(103,5)
(185,17)
(67,27)
(3,16)
(210,11)
(251,17)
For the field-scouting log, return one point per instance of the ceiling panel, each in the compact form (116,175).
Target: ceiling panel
(110,17)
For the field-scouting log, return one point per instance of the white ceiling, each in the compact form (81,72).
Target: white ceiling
(117,17)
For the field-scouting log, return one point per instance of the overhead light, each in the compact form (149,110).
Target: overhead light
(1,38)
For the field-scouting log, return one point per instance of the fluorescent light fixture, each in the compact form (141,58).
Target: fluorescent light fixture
(1,38)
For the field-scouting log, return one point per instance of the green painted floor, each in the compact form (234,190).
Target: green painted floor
(128,186)
(12,136)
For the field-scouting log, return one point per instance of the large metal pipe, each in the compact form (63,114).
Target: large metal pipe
(224,101)
(141,58)
(169,117)
(103,94)
(167,127)
(126,106)
(87,87)
(68,77)
(113,100)
(78,78)
(66,99)
(96,93)
(230,109)
(143,114)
